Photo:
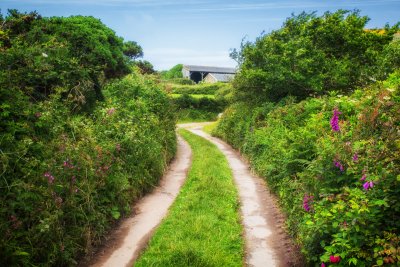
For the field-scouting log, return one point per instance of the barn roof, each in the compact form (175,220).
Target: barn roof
(222,77)
(209,69)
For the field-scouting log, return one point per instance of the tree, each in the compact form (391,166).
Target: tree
(75,55)
(145,67)
(174,72)
(311,55)
(132,50)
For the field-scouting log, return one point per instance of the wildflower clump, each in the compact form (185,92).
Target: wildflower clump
(335,120)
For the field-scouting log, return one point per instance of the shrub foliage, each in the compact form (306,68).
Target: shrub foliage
(314,120)
(340,189)
(65,175)
(311,55)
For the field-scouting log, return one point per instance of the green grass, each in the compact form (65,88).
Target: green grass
(193,95)
(203,226)
(210,127)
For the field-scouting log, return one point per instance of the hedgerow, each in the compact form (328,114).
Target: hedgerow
(189,108)
(201,89)
(66,178)
(334,163)
(72,165)
(315,119)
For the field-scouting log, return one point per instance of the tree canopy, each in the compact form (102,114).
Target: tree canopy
(174,72)
(311,55)
(132,50)
(77,54)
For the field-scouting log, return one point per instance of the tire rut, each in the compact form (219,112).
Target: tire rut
(127,241)
(266,241)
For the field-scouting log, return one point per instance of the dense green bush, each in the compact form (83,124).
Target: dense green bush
(334,163)
(173,73)
(312,55)
(200,89)
(182,81)
(66,178)
(41,55)
(198,109)
(66,175)
(144,67)
(333,158)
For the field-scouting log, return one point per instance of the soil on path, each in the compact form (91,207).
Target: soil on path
(133,234)
(266,241)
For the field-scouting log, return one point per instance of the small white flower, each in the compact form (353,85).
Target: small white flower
(45,55)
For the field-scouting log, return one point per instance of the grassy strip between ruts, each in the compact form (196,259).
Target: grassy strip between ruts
(197,96)
(203,226)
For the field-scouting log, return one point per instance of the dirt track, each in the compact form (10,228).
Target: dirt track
(129,239)
(266,241)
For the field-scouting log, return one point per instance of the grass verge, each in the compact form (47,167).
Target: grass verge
(203,226)
(210,127)
(194,96)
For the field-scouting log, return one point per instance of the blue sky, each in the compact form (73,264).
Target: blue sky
(198,32)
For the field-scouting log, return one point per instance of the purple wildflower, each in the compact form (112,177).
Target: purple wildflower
(363,177)
(323,264)
(338,165)
(355,157)
(368,185)
(50,178)
(68,164)
(335,120)
(306,202)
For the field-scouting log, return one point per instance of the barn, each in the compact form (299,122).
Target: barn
(213,74)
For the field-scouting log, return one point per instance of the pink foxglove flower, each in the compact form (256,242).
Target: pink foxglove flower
(335,120)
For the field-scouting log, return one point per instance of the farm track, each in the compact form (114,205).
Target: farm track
(266,241)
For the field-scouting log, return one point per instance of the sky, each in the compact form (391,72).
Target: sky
(198,32)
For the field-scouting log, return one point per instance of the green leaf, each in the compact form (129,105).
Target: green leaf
(353,261)
(379,262)
(380,202)
(115,213)
(21,253)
